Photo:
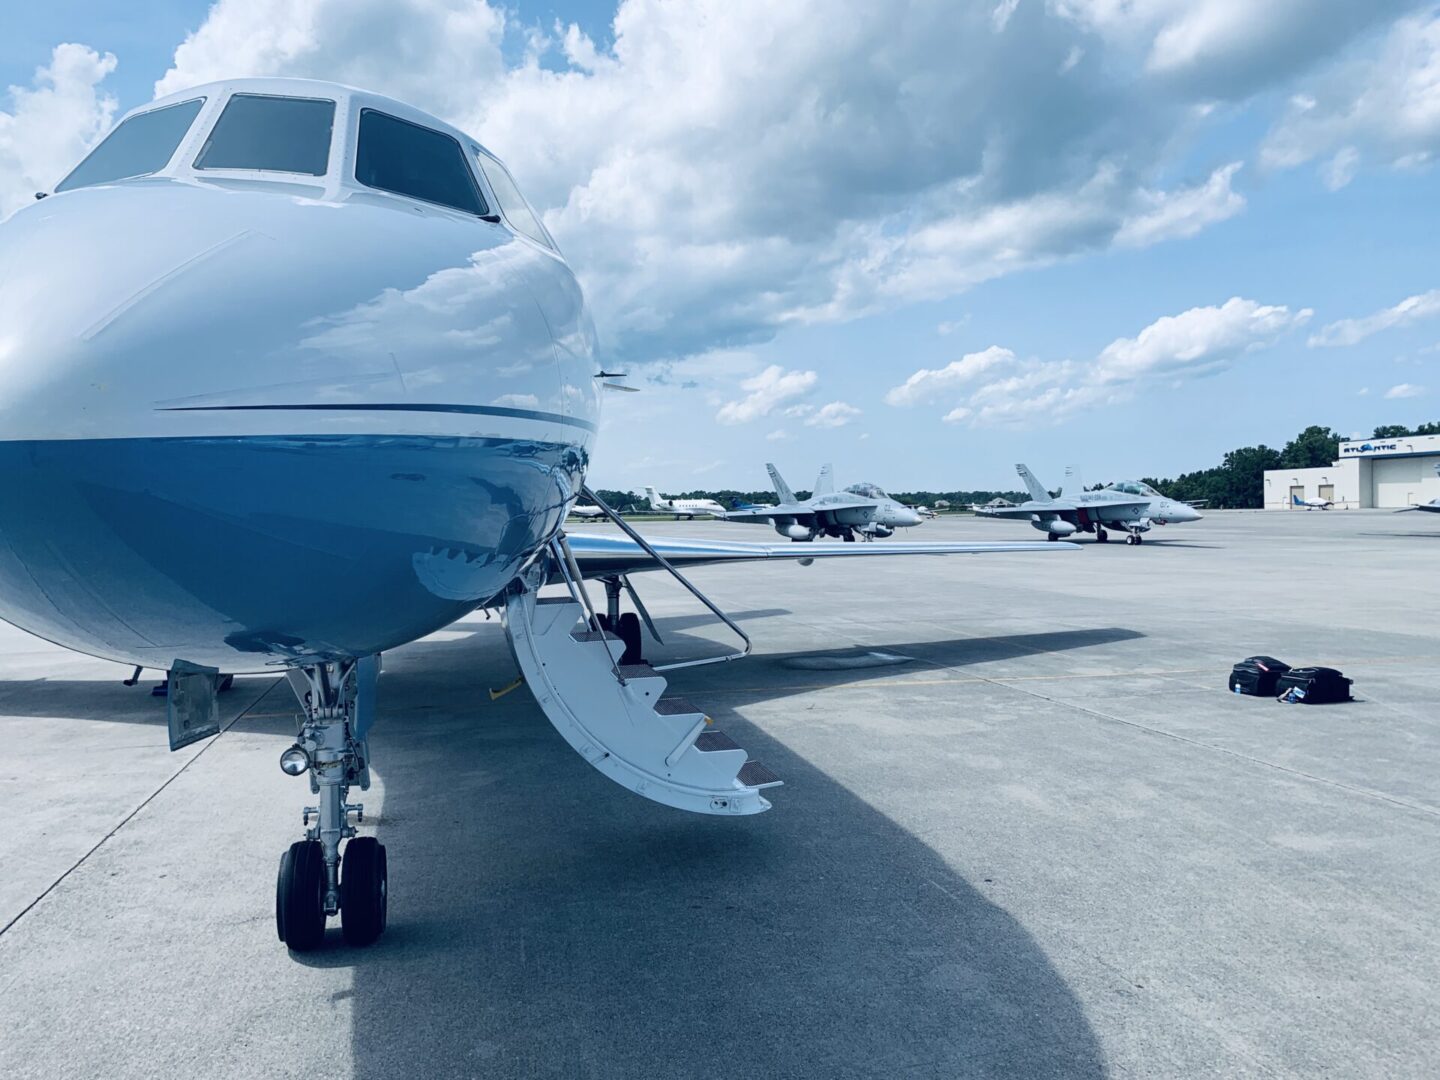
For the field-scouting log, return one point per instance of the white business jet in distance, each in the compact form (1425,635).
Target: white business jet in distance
(689,509)
(290,374)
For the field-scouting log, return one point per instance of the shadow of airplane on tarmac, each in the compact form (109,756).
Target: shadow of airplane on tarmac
(544,922)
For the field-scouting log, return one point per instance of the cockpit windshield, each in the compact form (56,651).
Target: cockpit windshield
(271,134)
(869,491)
(1135,487)
(141,145)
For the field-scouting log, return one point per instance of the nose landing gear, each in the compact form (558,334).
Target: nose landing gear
(1134,538)
(312,883)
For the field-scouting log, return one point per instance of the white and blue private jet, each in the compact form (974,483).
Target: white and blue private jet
(291,374)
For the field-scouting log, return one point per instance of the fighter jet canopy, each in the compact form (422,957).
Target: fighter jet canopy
(869,491)
(1135,487)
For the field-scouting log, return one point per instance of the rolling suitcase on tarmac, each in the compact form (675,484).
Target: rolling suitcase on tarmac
(1257,675)
(1313,686)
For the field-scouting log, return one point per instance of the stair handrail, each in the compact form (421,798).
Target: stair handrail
(565,559)
(683,580)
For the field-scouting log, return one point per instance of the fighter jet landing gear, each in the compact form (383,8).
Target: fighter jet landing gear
(312,884)
(1134,538)
(1101,536)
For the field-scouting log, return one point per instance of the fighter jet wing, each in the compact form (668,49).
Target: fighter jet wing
(600,555)
(767,513)
(1018,512)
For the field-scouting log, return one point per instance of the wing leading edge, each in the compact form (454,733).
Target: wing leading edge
(601,555)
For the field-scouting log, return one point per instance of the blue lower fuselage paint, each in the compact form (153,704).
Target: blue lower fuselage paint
(244,553)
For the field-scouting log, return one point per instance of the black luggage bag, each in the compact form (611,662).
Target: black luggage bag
(1313,686)
(1257,675)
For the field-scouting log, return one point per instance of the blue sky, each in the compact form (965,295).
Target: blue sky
(1138,221)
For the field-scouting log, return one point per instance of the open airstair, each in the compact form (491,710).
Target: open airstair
(615,715)
(617,718)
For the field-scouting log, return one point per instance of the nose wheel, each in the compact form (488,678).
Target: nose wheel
(1134,539)
(317,878)
(364,890)
(300,896)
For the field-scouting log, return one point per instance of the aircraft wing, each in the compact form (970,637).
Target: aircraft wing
(765,514)
(1024,513)
(600,555)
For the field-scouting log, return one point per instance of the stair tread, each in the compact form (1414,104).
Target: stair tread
(676,706)
(713,739)
(641,670)
(754,774)
(593,635)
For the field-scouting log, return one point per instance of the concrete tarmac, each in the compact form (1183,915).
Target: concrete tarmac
(1025,832)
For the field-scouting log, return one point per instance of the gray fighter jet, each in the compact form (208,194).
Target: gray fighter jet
(861,511)
(1132,506)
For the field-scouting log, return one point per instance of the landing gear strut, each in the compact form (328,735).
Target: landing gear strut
(626,627)
(312,885)
(1101,536)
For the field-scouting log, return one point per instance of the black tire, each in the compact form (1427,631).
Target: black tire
(300,896)
(1102,537)
(628,630)
(1051,537)
(364,890)
(1139,539)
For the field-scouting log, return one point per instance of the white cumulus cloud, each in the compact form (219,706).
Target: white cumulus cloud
(1404,390)
(1380,105)
(765,392)
(1194,343)
(835,414)
(52,122)
(1352,331)
(928,383)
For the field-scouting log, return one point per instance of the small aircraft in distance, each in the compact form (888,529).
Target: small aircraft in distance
(1133,506)
(1432,507)
(861,510)
(923,511)
(1311,504)
(586,512)
(689,509)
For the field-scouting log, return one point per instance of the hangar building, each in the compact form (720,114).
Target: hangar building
(1385,473)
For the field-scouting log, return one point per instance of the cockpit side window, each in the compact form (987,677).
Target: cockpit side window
(141,145)
(271,134)
(397,156)
(512,204)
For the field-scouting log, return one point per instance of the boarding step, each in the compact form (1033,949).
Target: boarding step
(753,774)
(712,739)
(594,635)
(657,746)
(677,706)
